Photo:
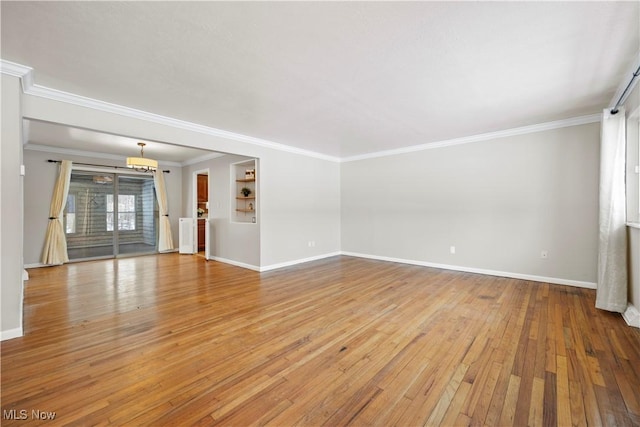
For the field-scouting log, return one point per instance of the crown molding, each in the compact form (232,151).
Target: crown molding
(17,70)
(575,121)
(26,74)
(30,88)
(81,101)
(82,153)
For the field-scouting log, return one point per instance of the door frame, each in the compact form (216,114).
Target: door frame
(194,207)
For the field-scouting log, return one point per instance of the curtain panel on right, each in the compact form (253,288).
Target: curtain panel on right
(165,240)
(611,293)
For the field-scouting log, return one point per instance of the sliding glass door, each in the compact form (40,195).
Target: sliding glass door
(133,219)
(108,215)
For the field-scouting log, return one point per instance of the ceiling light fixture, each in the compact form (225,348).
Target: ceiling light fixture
(141,163)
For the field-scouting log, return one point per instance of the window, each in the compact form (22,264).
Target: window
(70,214)
(126,212)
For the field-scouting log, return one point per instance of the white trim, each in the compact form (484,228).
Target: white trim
(553,280)
(11,333)
(25,275)
(574,121)
(58,95)
(298,261)
(236,263)
(36,265)
(633,224)
(632,316)
(17,70)
(29,88)
(82,153)
(168,251)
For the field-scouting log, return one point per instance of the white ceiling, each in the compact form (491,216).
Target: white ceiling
(338,78)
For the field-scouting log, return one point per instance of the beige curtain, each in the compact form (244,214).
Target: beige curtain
(165,241)
(55,243)
(611,293)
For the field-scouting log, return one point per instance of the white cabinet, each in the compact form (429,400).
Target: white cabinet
(186,233)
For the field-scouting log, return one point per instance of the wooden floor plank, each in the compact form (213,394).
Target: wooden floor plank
(537,403)
(173,340)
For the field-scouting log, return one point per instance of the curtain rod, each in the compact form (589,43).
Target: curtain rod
(615,110)
(100,166)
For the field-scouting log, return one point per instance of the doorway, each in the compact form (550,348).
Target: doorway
(201,209)
(110,215)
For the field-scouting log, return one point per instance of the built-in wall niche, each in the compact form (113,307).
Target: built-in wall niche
(244,180)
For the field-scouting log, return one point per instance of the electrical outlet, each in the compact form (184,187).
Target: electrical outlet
(452,249)
(311,243)
(544,254)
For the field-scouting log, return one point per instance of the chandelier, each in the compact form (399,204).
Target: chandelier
(141,163)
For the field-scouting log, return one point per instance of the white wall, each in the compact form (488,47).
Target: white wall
(11,207)
(499,202)
(299,195)
(230,241)
(286,222)
(38,188)
(300,202)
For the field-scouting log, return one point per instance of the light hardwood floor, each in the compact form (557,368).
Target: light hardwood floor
(175,340)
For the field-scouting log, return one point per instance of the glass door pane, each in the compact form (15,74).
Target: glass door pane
(133,215)
(85,216)
(107,215)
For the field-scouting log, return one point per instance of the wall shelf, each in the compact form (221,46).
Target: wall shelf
(245,176)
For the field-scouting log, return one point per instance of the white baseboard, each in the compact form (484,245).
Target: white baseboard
(554,280)
(632,316)
(36,265)
(297,261)
(11,333)
(557,281)
(236,263)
